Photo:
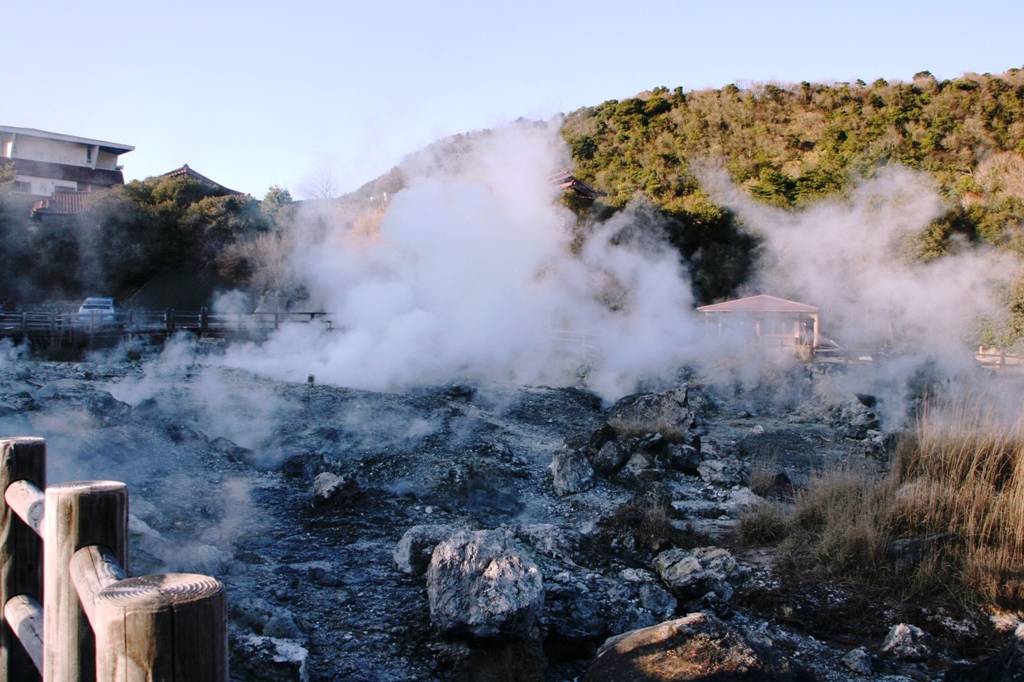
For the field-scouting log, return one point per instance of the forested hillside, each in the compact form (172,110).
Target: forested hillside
(791,145)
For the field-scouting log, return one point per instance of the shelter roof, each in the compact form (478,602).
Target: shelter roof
(761,303)
(566,180)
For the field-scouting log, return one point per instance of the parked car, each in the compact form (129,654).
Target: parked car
(98,310)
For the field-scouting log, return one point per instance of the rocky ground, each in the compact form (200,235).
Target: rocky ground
(480,531)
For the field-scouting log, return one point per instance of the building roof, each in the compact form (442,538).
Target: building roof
(762,303)
(112,147)
(566,180)
(62,203)
(185,171)
(60,171)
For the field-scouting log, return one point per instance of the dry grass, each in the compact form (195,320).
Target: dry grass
(766,524)
(958,475)
(762,475)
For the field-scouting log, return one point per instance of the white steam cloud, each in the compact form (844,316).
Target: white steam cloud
(851,258)
(471,274)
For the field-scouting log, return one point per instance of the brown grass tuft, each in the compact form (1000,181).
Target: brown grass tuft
(948,515)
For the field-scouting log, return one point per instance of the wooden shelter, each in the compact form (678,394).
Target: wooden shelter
(770,321)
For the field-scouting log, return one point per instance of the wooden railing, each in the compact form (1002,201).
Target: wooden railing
(141,321)
(66,598)
(54,328)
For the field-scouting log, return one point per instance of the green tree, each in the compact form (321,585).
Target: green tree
(275,200)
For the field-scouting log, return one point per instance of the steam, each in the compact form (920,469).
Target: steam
(853,258)
(471,275)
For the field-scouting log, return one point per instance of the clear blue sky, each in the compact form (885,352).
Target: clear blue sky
(262,93)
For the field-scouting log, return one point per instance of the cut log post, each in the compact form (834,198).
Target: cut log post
(21,550)
(77,515)
(27,501)
(170,627)
(24,615)
(94,568)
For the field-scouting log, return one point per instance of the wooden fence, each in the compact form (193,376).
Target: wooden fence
(66,598)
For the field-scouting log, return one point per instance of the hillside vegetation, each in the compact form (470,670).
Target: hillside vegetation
(791,145)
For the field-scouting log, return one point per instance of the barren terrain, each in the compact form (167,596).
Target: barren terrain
(221,467)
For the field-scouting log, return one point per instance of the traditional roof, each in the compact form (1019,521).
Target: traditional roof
(185,171)
(112,147)
(566,180)
(762,303)
(62,203)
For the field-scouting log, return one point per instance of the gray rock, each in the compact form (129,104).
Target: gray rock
(601,435)
(235,453)
(696,647)
(548,539)
(907,643)
(329,488)
(612,456)
(666,413)
(412,554)
(723,472)
(267,659)
(638,462)
(693,573)
(740,500)
(657,600)
(571,472)
(481,584)
(683,458)
(282,626)
(858,660)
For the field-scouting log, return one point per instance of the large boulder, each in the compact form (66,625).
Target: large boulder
(666,413)
(612,456)
(571,472)
(693,573)
(698,646)
(482,585)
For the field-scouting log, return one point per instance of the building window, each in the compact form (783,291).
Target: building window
(88,154)
(22,186)
(65,188)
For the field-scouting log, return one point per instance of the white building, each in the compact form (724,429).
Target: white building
(45,163)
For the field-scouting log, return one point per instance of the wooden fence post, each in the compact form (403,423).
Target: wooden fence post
(77,515)
(21,550)
(170,627)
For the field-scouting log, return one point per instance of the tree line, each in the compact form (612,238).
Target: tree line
(789,145)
